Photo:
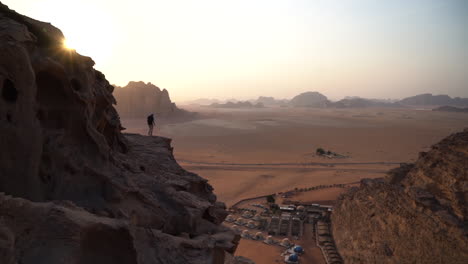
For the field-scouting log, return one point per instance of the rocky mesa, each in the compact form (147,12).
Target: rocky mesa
(139,99)
(418,214)
(73,188)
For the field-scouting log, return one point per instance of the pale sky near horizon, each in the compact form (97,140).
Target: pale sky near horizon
(247,48)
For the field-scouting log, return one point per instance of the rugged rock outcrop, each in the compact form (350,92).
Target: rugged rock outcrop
(418,214)
(139,99)
(310,99)
(429,99)
(74,188)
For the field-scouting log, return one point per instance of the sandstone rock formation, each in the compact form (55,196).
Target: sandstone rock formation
(357,102)
(139,99)
(73,188)
(429,99)
(418,214)
(309,99)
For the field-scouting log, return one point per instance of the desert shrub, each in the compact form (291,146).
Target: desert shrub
(270,199)
(320,151)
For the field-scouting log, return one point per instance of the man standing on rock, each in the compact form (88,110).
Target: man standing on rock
(150,121)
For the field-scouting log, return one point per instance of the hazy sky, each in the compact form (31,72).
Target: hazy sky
(247,48)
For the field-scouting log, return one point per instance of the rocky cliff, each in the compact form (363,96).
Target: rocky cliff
(418,214)
(73,188)
(139,99)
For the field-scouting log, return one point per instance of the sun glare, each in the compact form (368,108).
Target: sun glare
(67,45)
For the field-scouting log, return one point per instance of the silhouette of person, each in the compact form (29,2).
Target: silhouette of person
(150,121)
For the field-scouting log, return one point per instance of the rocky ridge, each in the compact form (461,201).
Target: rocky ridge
(418,214)
(430,99)
(74,189)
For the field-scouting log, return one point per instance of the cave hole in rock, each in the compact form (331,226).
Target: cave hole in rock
(9,92)
(76,85)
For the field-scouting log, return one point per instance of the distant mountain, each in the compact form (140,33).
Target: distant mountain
(271,101)
(203,101)
(310,99)
(356,102)
(429,99)
(373,99)
(238,104)
(447,108)
(316,99)
(138,99)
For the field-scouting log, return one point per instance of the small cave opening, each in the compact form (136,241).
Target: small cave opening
(53,101)
(76,85)
(9,92)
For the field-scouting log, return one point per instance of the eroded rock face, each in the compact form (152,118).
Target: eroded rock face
(75,189)
(417,215)
(139,99)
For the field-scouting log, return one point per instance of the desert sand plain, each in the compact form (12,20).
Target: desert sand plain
(250,152)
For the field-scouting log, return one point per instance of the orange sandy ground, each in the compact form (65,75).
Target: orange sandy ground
(287,135)
(322,196)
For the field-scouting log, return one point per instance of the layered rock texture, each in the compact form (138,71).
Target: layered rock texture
(139,99)
(417,215)
(73,188)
